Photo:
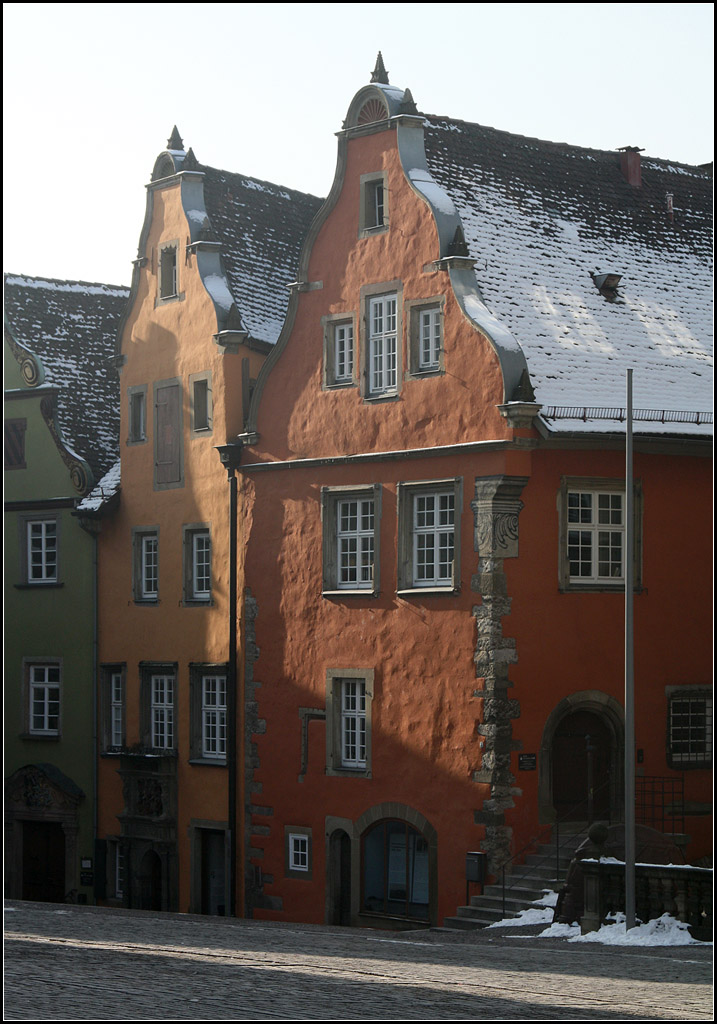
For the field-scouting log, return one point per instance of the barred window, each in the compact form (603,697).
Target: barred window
(690,730)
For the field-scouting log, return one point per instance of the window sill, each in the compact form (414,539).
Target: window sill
(198,602)
(213,762)
(51,736)
(605,588)
(381,396)
(375,229)
(149,602)
(358,592)
(421,591)
(350,773)
(164,300)
(432,371)
(44,585)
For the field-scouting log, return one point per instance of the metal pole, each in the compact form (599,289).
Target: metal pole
(629,674)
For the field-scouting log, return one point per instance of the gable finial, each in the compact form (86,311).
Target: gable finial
(175,140)
(379,73)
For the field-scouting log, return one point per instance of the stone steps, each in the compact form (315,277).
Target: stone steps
(526,883)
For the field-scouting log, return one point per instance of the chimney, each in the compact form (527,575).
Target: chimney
(670,205)
(630,165)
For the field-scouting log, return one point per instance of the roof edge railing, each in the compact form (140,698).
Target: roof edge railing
(595,412)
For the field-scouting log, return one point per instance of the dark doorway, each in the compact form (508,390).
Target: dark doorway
(213,874)
(340,878)
(581,759)
(150,882)
(43,861)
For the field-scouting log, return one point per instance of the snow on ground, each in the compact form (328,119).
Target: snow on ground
(663,931)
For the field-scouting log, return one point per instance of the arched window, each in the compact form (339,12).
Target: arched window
(395,871)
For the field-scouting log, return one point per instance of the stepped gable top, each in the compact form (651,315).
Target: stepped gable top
(261,228)
(540,218)
(72,327)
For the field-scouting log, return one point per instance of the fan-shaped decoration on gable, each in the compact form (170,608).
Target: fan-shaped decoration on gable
(372,110)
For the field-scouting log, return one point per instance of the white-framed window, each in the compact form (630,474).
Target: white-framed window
(355,531)
(137,397)
(353,723)
(430,325)
(197,563)
(429,554)
(119,866)
(113,707)
(434,520)
(201,565)
(298,853)
(116,709)
(145,541)
(149,566)
(349,698)
(343,353)
(214,716)
(596,534)
(162,711)
(339,350)
(382,345)
(689,727)
(42,550)
(44,699)
(350,540)
(592,533)
(373,208)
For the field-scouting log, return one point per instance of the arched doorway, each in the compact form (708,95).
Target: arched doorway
(581,760)
(339,877)
(581,767)
(150,881)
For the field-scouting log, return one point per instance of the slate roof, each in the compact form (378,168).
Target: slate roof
(540,218)
(72,327)
(262,228)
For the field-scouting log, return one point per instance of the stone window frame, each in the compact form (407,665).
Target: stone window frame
(335,678)
(137,424)
(303,836)
(385,289)
(598,485)
(206,428)
(15,431)
(407,491)
(168,289)
(198,671)
(693,694)
(192,597)
(330,498)
(329,324)
(108,674)
(148,669)
(414,309)
(373,218)
(29,685)
(25,520)
(139,535)
(116,867)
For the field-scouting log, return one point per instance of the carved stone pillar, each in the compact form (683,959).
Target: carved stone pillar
(496,507)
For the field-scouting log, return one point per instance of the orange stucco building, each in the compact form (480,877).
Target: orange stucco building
(433,498)
(199,323)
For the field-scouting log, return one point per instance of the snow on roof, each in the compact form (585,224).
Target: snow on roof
(540,218)
(261,228)
(71,326)
(106,489)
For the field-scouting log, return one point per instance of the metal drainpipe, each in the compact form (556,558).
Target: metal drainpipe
(95,701)
(232,694)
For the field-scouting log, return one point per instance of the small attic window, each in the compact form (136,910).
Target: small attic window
(168,272)
(373,210)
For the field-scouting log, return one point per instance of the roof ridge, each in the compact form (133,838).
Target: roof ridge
(259,181)
(43,278)
(562,145)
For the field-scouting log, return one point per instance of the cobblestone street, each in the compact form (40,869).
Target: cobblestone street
(85,963)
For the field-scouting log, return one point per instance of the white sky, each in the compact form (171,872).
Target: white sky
(92,92)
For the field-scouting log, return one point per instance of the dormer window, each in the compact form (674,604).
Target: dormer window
(373,212)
